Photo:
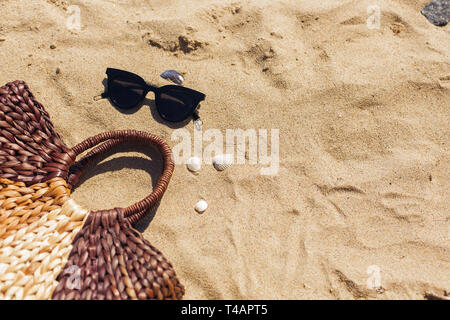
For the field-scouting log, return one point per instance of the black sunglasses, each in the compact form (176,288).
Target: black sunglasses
(174,103)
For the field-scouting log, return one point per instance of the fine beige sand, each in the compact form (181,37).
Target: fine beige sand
(362,193)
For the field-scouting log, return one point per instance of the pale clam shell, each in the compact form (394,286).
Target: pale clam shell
(201,206)
(194,164)
(222,161)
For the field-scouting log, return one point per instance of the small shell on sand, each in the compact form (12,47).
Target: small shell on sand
(194,164)
(222,161)
(173,76)
(201,206)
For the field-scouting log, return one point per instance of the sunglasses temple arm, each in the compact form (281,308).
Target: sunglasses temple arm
(101,96)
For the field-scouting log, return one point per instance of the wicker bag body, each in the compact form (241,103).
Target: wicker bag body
(50,247)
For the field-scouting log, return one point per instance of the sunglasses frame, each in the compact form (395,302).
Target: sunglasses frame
(113,74)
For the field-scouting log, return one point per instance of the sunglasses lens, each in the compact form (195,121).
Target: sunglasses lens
(125,93)
(175,105)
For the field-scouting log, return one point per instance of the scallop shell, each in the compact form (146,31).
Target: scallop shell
(194,164)
(222,161)
(201,206)
(173,76)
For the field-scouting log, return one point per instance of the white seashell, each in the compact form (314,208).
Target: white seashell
(201,206)
(194,164)
(222,161)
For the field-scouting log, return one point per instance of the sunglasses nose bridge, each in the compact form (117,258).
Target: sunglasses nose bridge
(149,87)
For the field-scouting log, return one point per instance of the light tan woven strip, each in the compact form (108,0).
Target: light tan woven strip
(37,228)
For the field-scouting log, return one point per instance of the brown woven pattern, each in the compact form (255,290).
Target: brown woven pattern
(37,227)
(30,150)
(114,261)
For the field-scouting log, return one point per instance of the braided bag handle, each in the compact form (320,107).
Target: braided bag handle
(106,141)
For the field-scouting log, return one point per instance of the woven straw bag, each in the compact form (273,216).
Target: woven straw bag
(50,247)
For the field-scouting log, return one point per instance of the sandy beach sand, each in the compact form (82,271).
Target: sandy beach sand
(362,192)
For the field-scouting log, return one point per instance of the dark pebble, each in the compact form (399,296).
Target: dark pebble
(437,12)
